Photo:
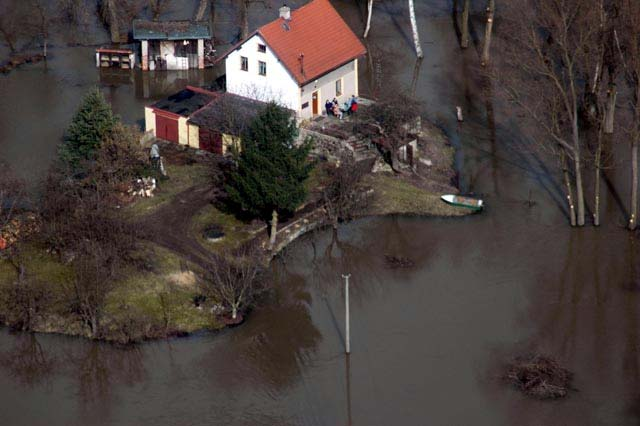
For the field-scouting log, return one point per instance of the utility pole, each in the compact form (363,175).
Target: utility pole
(346,307)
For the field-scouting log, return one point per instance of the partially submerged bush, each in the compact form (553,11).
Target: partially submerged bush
(539,376)
(394,262)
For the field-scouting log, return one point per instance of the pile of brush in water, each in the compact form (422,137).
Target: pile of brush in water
(398,261)
(539,376)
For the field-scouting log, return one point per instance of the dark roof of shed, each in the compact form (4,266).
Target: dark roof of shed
(228,113)
(185,102)
(170,30)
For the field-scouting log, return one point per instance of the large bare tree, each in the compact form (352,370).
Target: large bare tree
(628,45)
(547,54)
(236,279)
(342,197)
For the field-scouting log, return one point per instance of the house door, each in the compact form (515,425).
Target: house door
(314,103)
(167,128)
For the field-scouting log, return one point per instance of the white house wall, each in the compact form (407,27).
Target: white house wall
(277,85)
(326,87)
(149,120)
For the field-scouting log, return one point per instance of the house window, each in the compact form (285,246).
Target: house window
(262,68)
(262,48)
(338,87)
(244,63)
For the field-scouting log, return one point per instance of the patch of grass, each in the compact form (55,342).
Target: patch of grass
(39,264)
(393,195)
(180,178)
(236,231)
(162,297)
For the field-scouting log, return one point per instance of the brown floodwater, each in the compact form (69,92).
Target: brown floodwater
(426,342)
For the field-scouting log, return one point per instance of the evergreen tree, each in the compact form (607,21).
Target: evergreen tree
(269,179)
(92,123)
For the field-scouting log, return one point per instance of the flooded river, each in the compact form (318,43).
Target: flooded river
(427,342)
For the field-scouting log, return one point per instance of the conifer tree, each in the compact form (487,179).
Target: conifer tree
(271,172)
(92,123)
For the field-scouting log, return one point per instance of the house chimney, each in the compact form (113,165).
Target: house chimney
(285,12)
(301,59)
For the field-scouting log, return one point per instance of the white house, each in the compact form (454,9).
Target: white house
(301,59)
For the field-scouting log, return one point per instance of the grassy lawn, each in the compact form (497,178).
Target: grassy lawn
(179,179)
(393,195)
(234,229)
(162,297)
(40,265)
(159,298)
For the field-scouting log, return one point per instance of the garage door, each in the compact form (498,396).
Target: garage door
(167,128)
(210,141)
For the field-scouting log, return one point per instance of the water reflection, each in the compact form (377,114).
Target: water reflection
(98,368)
(27,362)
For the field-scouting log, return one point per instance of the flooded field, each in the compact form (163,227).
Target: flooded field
(427,342)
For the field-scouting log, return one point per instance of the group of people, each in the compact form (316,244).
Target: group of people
(348,107)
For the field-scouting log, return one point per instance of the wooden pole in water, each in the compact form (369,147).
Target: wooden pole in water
(346,307)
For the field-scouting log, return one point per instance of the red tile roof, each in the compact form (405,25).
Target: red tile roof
(318,32)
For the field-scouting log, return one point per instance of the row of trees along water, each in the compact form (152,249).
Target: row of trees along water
(572,68)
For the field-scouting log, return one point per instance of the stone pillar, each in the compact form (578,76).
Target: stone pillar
(200,54)
(145,55)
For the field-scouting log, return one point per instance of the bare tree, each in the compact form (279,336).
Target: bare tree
(158,7)
(12,194)
(342,197)
(41,22)
(12,17)
(369,13)
(390,123)
(628,45)
(546,55)
(491,8)
(236,279)
(119,160)
(464,38)
(414,29)
(95,275)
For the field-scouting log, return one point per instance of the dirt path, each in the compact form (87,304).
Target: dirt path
(170,225)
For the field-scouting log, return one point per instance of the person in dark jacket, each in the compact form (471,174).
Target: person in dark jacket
(328,106)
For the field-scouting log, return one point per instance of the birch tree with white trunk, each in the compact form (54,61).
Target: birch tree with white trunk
(414,29)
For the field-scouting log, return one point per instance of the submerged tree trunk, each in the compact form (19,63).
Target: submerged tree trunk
(579,188)
(612,94)
(414,28)
(567,183)
(212,17)
(369,12)
(596,189)
(113,21)
(274,229)
(464,38)
(487,33)
(202,7)
(634,183)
